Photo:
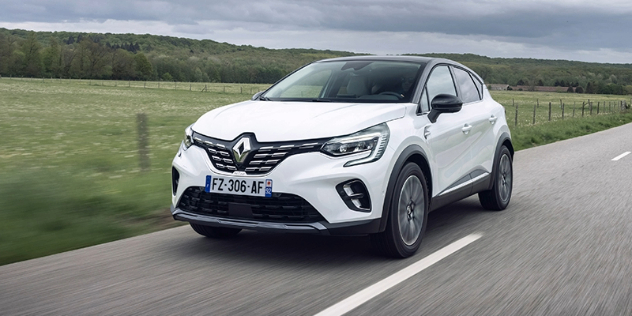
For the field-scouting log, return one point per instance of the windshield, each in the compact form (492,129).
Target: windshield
(349,81)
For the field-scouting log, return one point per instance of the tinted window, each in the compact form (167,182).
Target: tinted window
(440,82)
(469,92)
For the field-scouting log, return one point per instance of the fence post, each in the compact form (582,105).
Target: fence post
(516,121)
(537,102)
(143,141)
(590,106)
(598,107)
(562,110)
(583,105)
(549,111)
(534,107)
(573,108)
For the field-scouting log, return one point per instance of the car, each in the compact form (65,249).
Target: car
(347,146)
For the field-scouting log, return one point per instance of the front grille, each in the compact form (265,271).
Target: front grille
(281,207)
(261,158)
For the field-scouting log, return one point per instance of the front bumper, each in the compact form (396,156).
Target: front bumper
(322,228)
(311,176)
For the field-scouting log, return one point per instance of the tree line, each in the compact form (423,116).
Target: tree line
(90,57)
(155,57)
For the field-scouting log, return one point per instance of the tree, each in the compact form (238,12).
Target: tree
(579,89)
(68,55)
(52,59)
(6,53)
(95,54)
(590,88)
(520,82)
(122,65)
(167,77)
(32,59)
(144,70)
(570,89)
(540,83)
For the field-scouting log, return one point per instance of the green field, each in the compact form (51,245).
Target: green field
(69,164)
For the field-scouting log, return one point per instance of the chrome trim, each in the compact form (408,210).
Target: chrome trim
(315,227)
(464,184)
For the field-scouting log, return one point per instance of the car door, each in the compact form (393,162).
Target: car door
(448,138)
(481,120)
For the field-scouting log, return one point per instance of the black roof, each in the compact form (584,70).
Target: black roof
(414,59)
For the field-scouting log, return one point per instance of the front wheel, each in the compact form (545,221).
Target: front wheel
(498,197)
(407,216)
(215,232)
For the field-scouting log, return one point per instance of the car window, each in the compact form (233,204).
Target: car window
(358,81)
(469,92)
(425,106)
(440,82)
(480,86)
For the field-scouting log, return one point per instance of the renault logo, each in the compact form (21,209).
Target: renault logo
(241,149)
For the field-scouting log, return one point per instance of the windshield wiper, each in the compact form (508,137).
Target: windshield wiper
(320,100)
(264,98)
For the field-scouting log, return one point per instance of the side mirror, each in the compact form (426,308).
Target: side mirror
(257,95)
(444,103)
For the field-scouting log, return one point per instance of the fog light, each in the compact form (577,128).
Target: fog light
(355,195)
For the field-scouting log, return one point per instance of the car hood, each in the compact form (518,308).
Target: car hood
(286,121)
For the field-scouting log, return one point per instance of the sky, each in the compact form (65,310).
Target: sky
(593,31)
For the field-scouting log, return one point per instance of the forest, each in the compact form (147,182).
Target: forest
(153,57)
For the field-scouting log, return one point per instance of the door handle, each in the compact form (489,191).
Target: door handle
(466,128)
(493,119)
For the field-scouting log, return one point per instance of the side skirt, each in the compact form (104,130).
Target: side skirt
(471,184)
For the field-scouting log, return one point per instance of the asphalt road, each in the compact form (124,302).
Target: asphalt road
(563,247)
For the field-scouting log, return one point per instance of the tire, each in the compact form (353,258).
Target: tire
(215,232)
(499,196)
(407,215)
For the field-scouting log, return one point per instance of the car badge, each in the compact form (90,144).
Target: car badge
(241,149)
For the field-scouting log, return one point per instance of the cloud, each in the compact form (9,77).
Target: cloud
(562,26)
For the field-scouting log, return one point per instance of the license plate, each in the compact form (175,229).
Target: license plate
(242,186)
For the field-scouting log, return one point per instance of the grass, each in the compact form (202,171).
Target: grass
(69,165)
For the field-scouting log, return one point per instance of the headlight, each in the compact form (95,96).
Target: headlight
(372,141)
(188,137)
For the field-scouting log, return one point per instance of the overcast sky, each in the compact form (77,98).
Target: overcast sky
(596,31)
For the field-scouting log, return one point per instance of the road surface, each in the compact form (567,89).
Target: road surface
(563,247)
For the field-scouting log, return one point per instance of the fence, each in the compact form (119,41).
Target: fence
(526,113)
(232,88)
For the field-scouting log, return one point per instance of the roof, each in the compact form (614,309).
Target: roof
(415,59)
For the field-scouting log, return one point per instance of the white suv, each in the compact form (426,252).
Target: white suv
(358,145)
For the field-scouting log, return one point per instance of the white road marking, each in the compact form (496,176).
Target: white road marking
(376,289)
(621,156)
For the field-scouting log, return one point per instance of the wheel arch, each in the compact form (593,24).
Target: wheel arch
(414,154)
(503,140)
